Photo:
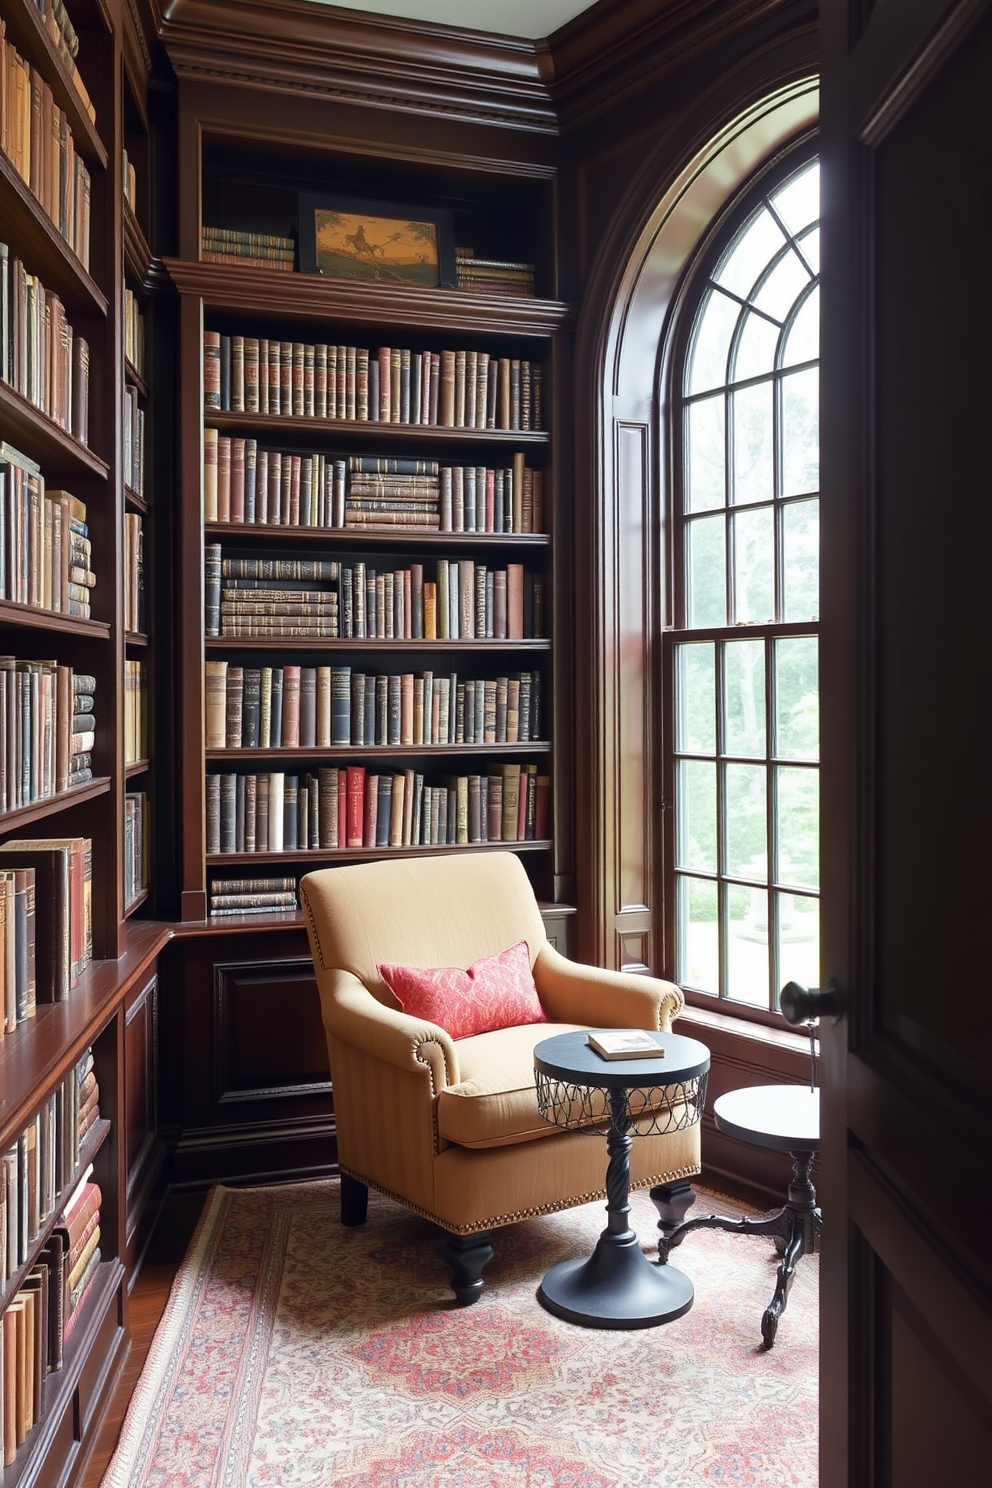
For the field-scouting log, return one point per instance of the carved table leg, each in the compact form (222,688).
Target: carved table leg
(467,1255)
(354,1200)
(786,1272)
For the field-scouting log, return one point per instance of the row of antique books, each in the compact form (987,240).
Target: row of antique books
(231,896)
(46,937)
(45,550)
(356,806)
(134,441)
(60,28)
(47,730)
(244,483)
(137,845)
(497,276)
(41,357)
(40,1318)
(38,1167)
(136,720)
(36,138)
(319,707)
(253,250)
(134,573)
(459,389)
(465,600)
(134,332)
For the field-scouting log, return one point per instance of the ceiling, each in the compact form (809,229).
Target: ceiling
(529,18)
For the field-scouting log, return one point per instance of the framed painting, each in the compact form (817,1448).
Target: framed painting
(381,242)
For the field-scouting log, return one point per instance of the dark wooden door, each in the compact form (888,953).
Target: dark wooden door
(906,1370)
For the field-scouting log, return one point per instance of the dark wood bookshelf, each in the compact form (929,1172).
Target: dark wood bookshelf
(380,538)
(77,795)
(138,503)
(378,751)
(13,613)
(137,254)
(34,433)
(35,238)
(134,376)
(330,855)
(369,431)
(27,30)
(328,643)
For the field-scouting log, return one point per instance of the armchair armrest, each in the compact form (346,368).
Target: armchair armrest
(571,992)
(353,1016)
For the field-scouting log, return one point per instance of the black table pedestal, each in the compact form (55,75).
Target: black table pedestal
(617,1286)
(794,1228)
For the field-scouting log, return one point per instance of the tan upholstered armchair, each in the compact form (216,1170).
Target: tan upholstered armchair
(451,1128)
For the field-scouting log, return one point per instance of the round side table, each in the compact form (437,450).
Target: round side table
(617,1286)
(785,1118)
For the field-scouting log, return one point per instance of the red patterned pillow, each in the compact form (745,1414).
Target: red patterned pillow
(496,992)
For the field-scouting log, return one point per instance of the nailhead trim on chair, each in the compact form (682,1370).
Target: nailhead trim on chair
(497,1220)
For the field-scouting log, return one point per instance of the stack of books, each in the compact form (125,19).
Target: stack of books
(326,707)
(36,138)
(493,275)
(83,735)
(459,389)
(235,896)
(360,807)
(45,551)
(66,39)
(41,752)
(250,249)
(45,922)
(41,357)
(393,493)
(136,845)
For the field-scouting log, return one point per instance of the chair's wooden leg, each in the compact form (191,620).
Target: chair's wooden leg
(467,1255)
(354,1200)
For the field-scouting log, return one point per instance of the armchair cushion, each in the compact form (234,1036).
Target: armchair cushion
(494,1104)
(495,992)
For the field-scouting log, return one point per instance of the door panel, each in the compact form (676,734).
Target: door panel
(906,1378)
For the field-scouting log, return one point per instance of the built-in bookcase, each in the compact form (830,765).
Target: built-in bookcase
(414,683)
(78,981)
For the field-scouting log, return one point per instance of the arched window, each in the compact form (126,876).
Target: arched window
(741,656)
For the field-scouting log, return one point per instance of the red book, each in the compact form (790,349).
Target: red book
(355,797)
(291,706)
(342,807)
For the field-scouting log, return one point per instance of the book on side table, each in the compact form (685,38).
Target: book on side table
(629,1043)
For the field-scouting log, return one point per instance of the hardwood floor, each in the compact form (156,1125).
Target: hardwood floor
(163,1258)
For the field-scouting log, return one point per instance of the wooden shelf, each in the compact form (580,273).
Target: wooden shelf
(257,293)
(77,795)
(136,903)
(371,430)
(137,502)
(137,767)
(405,537)
(288,754)
(40,1051)
(137,254)
(133,376)
(328,855)
(135,638)
(36,434)
(33,237)
(328,643)
(31,618)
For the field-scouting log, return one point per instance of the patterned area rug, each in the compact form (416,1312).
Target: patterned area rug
(294,1351)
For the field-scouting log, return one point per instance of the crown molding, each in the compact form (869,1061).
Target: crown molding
(380,61)
(621,47)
